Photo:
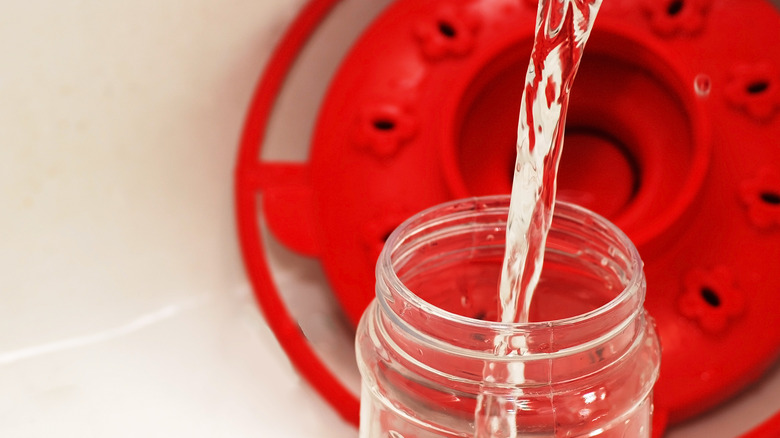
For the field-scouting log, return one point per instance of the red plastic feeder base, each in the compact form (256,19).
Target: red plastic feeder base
(672,134)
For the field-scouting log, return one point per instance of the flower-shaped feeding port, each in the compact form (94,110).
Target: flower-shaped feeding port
(755,90)
(711,298)
(761,196)
(668,18)
(451,32)
(384,128)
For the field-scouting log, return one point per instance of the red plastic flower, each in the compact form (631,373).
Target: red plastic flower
(383,129)
(761,196)
(676,17)
(755,89)
(711,298)
(451,32)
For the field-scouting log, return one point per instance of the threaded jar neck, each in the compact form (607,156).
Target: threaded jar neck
(437,269)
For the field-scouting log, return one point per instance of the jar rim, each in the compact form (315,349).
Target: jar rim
(385,266)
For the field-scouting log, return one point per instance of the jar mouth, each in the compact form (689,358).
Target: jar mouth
(499,204)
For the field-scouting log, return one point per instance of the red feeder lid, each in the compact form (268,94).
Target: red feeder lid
(672,134)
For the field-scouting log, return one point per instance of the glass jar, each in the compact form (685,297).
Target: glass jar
(426,346)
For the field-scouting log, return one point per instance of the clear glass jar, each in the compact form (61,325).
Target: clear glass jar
(589,356)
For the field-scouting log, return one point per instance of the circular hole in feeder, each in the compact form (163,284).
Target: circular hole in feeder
(597,170)
(384,124)
(771,198)
(710,297)
(616,153)
(675,7)
(757,87)
(447,29)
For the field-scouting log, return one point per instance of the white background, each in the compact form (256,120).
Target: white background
(124,307)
